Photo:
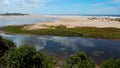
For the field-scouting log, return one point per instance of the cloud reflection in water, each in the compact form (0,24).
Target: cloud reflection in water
(40,41)
(72,42)
(68,45)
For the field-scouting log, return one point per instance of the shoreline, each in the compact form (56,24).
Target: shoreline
(76,26)
(77,21)
(6,33)
(85,32)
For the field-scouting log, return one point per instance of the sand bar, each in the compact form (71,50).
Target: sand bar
(78,21)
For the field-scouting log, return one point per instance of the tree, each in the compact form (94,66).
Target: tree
(80,60)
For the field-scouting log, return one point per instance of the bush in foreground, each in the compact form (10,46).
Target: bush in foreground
(5,47)
(27,57)
(24,56)
(80,60)
(111,63)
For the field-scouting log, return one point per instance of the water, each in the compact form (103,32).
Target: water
(20,20)
(98,49)
(88,15)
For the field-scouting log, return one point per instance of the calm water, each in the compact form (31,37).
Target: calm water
(86,15)
(98,49)
(20,20)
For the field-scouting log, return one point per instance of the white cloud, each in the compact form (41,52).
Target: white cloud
(24,3)
(4,2)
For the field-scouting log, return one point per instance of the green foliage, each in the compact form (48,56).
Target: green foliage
(117,63)
(80,60)
(111,63)
(41,61)
(108,33)
(27,57)
(61,26)
(5,46)
(22,57)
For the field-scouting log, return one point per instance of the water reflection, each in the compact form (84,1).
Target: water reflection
(39,43)
(96,48)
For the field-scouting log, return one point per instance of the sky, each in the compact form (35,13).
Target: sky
(60,6)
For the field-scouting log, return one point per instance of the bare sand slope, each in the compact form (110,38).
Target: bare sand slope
(77,21)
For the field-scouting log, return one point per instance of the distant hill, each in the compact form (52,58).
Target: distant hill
(12,14)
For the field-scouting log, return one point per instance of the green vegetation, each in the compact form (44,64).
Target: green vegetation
(5,47)
(111,63)
(80,60)
(91,32)
(27,56)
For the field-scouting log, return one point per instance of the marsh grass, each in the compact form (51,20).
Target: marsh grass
(89,32)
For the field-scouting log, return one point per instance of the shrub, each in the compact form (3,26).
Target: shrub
(5,46)
(80,60)
(111,63)
(22,57)
(61,26)
(27,57)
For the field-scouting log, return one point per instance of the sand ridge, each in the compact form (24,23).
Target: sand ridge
(77,21)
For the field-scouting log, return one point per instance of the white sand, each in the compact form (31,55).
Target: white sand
(77,21)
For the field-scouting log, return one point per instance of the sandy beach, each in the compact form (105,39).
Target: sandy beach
(78,21)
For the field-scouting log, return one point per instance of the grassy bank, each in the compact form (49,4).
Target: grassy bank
(89,32)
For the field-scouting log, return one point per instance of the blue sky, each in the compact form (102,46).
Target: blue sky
(60,6)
